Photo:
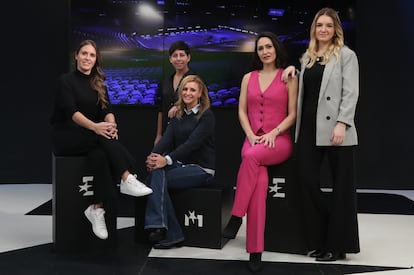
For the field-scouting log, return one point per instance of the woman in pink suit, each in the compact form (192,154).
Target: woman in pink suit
(267,109)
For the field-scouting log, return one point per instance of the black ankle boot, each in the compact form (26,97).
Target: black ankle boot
(233,226)
(255,262)
(156,234)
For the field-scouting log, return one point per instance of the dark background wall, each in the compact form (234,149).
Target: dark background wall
(35,47)
(385,43)
(34,53)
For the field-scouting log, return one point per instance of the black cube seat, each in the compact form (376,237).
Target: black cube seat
(202,213)
(284,215)
(72,194)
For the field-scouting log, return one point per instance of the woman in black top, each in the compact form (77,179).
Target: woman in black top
(326,132)
(183,158)
(179,56)
(83,123)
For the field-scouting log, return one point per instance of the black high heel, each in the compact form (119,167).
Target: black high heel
(232,227)
(316,253)
(331,257)
(255,262)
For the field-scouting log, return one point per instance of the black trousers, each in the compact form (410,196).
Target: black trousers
(330,219)
(108,159)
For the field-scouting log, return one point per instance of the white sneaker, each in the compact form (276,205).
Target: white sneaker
(97,219)
(132,186)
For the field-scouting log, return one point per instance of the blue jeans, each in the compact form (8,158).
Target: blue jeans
(160,211)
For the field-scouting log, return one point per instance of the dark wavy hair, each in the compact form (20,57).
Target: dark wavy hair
(281,53)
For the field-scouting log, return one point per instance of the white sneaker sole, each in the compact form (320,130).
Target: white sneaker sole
(143,192)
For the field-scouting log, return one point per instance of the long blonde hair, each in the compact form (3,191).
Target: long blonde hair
(204,99)
(97,74)
(337,40)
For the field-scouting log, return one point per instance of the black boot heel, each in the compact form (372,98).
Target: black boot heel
(255,262)
(232,227)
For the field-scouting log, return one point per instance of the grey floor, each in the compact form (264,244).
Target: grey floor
(386,239)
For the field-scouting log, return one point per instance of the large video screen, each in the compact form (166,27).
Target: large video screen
(134,37)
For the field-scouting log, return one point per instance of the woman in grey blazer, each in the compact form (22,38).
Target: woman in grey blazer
(325,129)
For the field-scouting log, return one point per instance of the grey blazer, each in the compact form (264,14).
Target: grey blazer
(338,98)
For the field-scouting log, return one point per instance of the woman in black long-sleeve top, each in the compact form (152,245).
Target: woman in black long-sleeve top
(83,123)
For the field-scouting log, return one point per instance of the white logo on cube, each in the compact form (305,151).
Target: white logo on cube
(192,218)
(278,183)
(85,186)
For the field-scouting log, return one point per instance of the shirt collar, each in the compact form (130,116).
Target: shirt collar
(194,110)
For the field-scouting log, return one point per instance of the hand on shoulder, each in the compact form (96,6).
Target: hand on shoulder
(288,73)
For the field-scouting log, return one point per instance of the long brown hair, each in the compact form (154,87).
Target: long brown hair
(97,74)
(337,40)
(204,99)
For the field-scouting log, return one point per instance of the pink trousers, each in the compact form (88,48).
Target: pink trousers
(252,185)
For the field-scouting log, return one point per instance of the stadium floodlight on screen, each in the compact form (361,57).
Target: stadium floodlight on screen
(273,12)
(134,37)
